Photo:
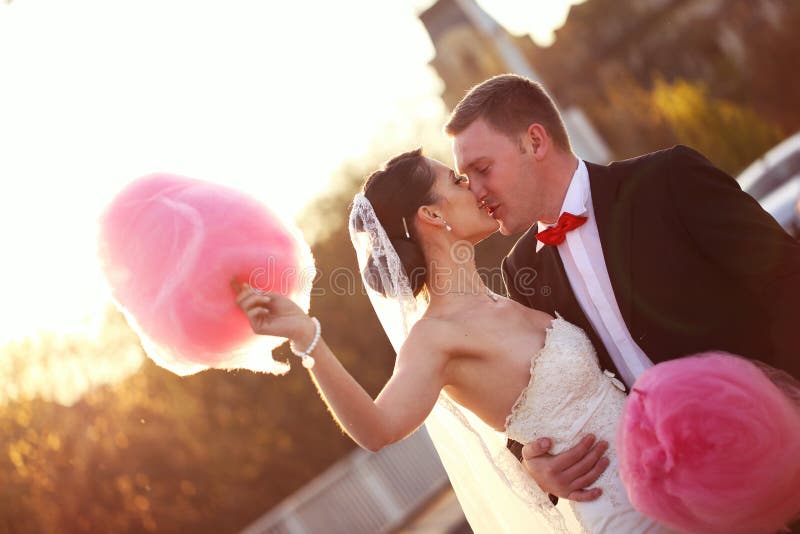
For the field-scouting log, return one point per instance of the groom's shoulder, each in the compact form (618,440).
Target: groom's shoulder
(654,169)
(660,159)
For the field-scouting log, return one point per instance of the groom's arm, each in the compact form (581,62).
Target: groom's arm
(732,230)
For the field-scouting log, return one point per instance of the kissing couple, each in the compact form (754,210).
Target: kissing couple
(620,267)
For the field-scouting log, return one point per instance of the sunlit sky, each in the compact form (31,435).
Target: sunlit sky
(268,97)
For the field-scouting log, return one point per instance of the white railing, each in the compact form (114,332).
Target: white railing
(363,493)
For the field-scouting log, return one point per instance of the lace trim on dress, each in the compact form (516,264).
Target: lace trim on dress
(524,395)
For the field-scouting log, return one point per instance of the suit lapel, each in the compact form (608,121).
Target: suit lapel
(554,286)
(555,294)
(614,224)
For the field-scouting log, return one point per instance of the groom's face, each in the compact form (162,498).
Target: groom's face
(501,175)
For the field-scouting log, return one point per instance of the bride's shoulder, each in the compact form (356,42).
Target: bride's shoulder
(542,318)
(433,333)
(538,317)
(431,329)
(428,341)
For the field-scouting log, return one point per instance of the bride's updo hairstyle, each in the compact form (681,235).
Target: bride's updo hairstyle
(396,191)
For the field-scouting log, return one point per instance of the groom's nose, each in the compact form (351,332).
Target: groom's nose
(477,190)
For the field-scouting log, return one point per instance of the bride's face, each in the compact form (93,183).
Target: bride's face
(459,208)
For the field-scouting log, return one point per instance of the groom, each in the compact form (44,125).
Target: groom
(656,257)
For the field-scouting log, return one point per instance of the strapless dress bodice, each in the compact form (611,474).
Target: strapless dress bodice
(569,396)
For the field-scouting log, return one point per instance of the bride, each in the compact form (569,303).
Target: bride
(465,355)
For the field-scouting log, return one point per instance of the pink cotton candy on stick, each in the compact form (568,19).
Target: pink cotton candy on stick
(169,247)
(709,444)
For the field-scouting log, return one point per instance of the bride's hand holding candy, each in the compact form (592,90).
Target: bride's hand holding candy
(272,314)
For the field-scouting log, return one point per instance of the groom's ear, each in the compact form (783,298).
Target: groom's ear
(537,140)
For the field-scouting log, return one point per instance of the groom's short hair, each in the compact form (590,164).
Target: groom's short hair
(509,103)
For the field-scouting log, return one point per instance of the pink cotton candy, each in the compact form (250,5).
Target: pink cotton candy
(709,444)
(169,247)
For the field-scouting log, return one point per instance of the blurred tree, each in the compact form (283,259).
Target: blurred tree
(635,120)
(742,50)
(728,134)
(774,80)
(624,113)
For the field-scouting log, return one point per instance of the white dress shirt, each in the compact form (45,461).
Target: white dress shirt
(582,256)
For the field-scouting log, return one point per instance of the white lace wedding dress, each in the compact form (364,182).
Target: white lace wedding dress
(568,396)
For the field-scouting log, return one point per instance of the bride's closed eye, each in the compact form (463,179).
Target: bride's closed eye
(460,179)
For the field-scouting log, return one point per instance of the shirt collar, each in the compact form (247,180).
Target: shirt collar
(575,200)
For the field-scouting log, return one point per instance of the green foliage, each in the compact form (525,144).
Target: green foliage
(634,120)
(730,135)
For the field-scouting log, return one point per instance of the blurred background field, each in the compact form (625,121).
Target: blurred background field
(294,104)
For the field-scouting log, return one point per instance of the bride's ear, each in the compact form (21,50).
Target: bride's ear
(429,215)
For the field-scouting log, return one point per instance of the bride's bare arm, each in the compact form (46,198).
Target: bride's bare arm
(400,408)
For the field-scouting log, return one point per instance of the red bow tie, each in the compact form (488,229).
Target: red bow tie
(558,233)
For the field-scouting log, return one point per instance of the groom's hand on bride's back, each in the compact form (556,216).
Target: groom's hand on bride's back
(570,473)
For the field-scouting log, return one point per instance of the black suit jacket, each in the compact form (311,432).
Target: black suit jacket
(695,263)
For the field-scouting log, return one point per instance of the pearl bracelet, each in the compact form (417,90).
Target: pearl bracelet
(308,361)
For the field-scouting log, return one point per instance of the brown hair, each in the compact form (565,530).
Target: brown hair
(509,103)
(396,191)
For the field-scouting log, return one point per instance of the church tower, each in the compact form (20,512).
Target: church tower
(471,46)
